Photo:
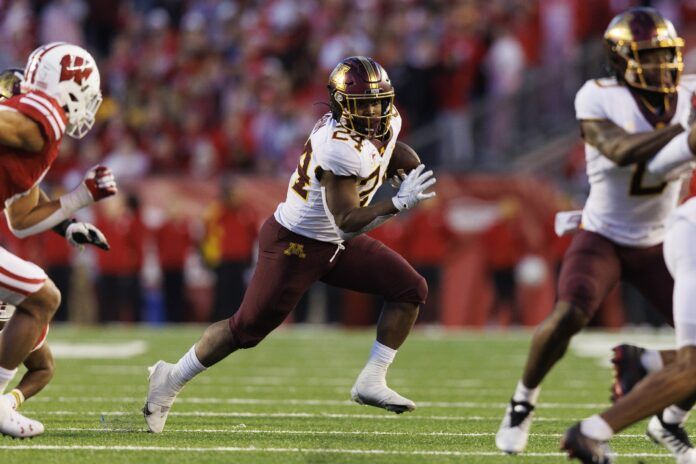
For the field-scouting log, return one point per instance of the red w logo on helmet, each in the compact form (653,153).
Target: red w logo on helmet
(74,69)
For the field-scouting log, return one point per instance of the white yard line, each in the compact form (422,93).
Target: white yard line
(295,450)
(113,350)
(243,430)
(290,415)
(301,402)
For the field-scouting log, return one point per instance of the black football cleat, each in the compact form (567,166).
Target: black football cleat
(585,449)
(673,437)
(628,369)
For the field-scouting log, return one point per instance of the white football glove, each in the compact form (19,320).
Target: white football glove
(81,233)
(412,187)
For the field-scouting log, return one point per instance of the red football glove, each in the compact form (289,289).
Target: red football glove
(100,182)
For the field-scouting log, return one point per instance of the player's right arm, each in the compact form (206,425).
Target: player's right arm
(343,203)
(624,148)
(34,213)
(595,105)
(20,132)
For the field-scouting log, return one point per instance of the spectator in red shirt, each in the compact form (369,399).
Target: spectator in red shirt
(428,239)
(118,286)
(173,239)
(230,233)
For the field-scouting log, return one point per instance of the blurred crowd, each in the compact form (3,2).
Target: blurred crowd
(199,86)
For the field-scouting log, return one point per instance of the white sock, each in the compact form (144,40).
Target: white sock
(674,415)
(651,361)
(380,359)
(187,368)
(6,376)
(525,394)
(15,398)
(596,428)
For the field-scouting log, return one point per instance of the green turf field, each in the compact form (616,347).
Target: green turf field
(287,401)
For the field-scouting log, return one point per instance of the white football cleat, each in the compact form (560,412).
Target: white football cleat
(513,433)
(673,437)
(15,425)
(374,392)
(160,396)
(687,458)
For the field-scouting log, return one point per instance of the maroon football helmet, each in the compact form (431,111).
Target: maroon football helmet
(355,84)
(10,81)
(644,50)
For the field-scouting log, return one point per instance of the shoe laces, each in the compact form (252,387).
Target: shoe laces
(676,436)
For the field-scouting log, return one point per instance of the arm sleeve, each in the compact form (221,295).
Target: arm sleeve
(44,111)
(589,102)
(339,158)
(673,155)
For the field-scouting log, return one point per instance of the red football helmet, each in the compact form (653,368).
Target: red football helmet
(644,50)
(355,84)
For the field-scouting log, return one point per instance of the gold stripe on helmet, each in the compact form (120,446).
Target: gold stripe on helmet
(372,75)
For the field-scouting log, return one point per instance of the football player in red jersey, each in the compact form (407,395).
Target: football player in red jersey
(317,234)
(59,94)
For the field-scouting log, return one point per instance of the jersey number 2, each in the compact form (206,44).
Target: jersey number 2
(637,187)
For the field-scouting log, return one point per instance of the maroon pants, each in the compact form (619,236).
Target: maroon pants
(593,264)
(289,264)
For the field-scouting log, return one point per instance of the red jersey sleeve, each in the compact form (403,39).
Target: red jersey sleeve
(42,109)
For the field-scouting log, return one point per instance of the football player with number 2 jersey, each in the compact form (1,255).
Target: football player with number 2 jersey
(658,392)
(317,233)
(637,132)
(59,94)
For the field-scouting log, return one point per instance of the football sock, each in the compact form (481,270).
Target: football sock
(674,415)
(380,359)
(6,376)
(187,368)
(525,394)
(15,398)
(596,428)
(651,360)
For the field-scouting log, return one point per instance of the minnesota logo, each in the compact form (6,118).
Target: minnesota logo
(296,249)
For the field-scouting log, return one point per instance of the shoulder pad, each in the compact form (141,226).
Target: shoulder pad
(339,157)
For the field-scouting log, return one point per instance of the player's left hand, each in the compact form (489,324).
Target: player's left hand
(100,182)
(82,233)
(412,188)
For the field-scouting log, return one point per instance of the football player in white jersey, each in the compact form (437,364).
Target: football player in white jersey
(317,234)
(636,127)
(675,382)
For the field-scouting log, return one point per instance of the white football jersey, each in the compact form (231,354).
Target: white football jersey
(334,148)
(626,204)
(687,211)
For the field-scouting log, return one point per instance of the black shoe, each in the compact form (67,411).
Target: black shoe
(585,449)
(513,433)
(671,436)
(628,370)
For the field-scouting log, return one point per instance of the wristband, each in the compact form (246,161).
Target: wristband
(62,228)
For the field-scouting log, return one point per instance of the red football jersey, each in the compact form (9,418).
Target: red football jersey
(692,186)
(21,170)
